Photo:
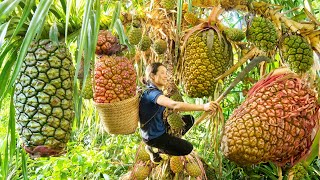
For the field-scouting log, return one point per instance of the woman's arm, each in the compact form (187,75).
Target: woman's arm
(182,106)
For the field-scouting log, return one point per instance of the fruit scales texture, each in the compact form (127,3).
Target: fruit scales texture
(235,34)
(193,169)
(135,36)
(43,98)
(175,121)
(107,43)
(191,18)
(297,53)
(145,43)
(115,79)
(176,164)
(207,55)
(262,33)
(274,123)
(87,91)
(141,172)
(160,46)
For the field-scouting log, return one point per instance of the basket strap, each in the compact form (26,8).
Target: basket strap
(143,90)
(142,125)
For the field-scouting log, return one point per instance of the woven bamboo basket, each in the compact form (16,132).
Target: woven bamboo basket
(120,117)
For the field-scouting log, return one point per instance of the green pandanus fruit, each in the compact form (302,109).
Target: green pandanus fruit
(274,123)
(43,98)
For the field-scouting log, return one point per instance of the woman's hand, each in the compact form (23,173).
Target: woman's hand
(210,106)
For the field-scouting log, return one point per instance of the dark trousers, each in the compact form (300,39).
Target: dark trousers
(172,145)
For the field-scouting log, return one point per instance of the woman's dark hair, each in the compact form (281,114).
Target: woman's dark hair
(151,69)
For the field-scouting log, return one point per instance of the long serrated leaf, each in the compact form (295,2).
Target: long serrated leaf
(12,126)
(81,43)
(115,15)
(6,7)
(24,16)
(24,165)
(68,8)
(64,5)
(5,73)
(39,15)
(3,31)
(122,36)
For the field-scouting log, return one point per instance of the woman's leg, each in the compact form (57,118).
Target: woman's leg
(189,121)
(171,145)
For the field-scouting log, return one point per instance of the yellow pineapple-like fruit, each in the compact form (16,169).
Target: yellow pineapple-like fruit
(141,172)
(207,55)
(193,169)
(176,164)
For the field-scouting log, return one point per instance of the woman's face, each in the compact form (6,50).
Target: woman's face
(160,78)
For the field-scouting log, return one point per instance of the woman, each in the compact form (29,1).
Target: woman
(152,105)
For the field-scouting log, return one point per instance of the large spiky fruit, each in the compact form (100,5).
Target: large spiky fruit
(175,121)
(274,123)
(43,98)
(297,52)
(135,35)
(115,79)
(193,169)
(145,43)
(191,18)
(107,43)
(160,46)
(168,4)
(207,55)
(87,91)
(141,172)
(235,34)
(262,33)
(176,164)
